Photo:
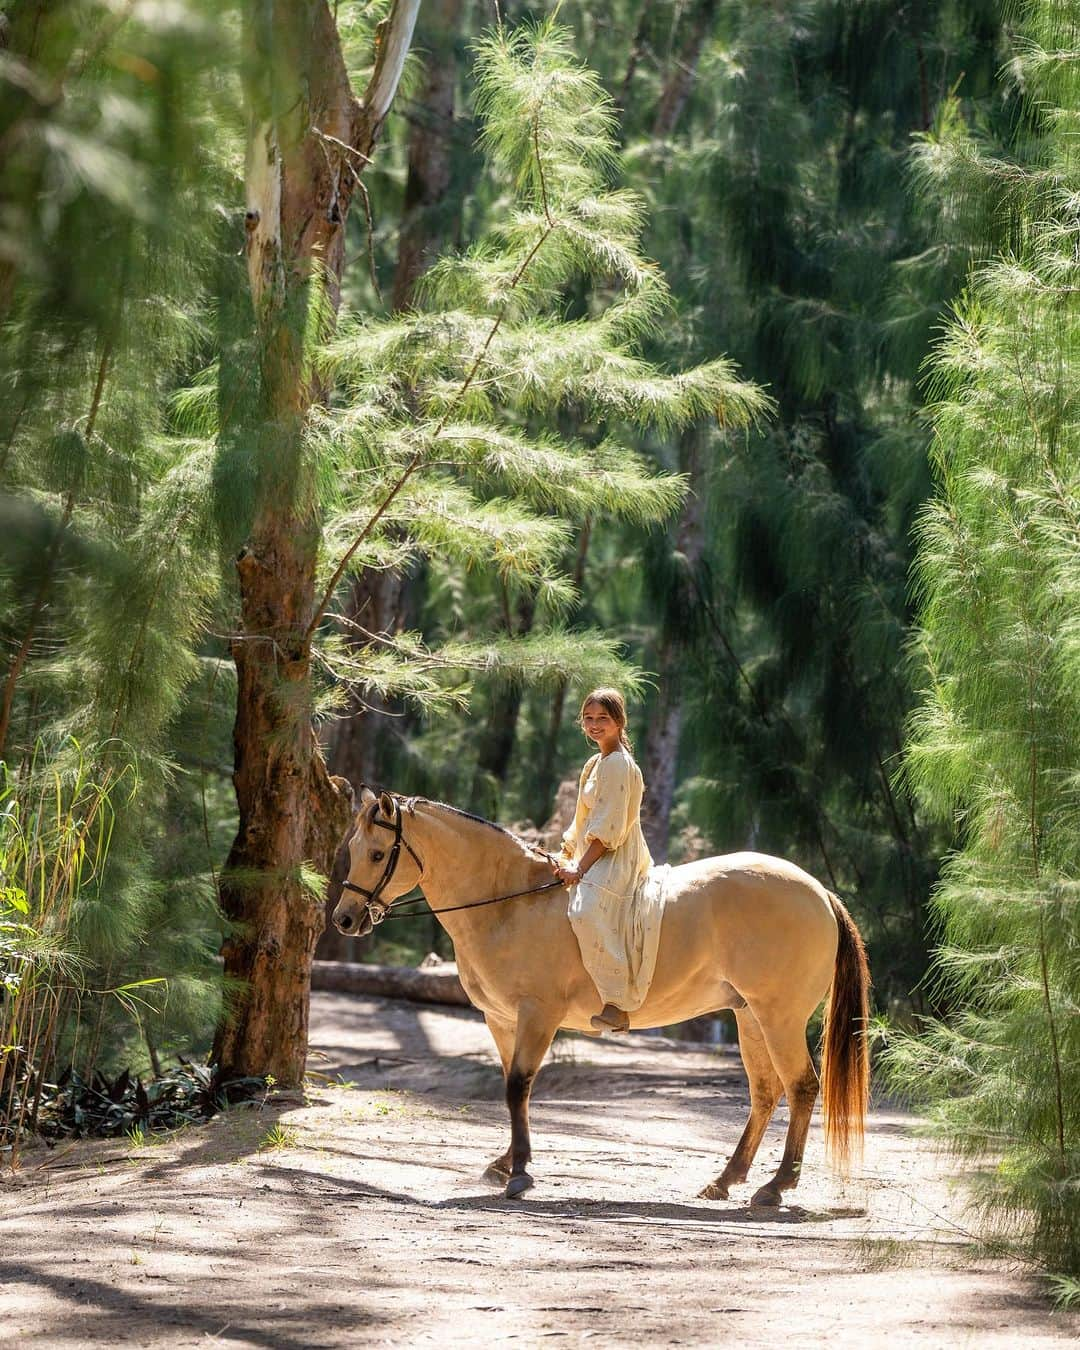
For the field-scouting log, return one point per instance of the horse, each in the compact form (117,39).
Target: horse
(744,931)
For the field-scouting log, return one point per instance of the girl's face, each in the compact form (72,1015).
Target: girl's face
(599,725)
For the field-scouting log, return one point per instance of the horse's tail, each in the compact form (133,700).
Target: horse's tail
(845,1056)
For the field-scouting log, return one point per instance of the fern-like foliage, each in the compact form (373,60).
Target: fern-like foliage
(995,742)
(443,438)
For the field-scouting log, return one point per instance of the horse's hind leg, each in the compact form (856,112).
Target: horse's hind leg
(785,1037)
(498,1170)
(765,1090)
(536,1026)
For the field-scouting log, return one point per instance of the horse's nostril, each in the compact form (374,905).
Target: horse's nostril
(345,922)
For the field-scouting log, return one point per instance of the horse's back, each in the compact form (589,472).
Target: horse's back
(758,923)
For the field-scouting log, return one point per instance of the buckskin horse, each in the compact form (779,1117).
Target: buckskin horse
(745,931)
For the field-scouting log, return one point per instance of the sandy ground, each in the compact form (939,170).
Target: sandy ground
(357,1217)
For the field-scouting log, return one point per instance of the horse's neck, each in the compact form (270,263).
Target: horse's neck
(466,860)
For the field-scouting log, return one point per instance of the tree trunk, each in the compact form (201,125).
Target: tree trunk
(498,737)
(662,740)
(683,72)
(545,777)
(308,138)
(425,984)
(428,207)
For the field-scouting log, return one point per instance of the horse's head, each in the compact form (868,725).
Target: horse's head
(382,864)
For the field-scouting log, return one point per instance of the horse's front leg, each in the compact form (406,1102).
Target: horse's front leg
(536,1026)
(498,1170)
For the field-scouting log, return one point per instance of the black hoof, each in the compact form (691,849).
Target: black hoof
(768,1197)
(518,1185)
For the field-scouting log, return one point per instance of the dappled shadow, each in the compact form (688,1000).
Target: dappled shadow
(104,1314)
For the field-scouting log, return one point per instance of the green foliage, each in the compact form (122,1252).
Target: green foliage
(780,198)
(119,135)
(56,825)
(996,739)
(443,442)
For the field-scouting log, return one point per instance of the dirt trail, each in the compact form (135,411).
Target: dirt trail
(362,1219)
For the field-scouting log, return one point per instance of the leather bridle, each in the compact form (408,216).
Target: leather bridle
(376,908)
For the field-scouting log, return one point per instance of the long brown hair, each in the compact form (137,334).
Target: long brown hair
(614,705)
(845,1054)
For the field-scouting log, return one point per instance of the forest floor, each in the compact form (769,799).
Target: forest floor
(357,1216)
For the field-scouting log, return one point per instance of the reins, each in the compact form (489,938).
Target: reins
(379,910)
(395,912)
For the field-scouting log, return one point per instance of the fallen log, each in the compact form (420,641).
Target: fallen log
(428,984)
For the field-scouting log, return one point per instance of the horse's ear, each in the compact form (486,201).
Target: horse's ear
(386,803)
(366,806)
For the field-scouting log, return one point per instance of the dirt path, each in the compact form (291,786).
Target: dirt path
(361,1219)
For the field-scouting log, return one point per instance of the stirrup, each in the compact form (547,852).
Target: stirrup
(610,1018)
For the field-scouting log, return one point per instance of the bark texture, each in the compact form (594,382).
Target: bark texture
(661,751)
(427,984)
(308,139)
(682,72)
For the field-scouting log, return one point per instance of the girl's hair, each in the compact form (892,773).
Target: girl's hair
(614,705)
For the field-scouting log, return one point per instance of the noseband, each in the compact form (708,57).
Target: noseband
(376,908)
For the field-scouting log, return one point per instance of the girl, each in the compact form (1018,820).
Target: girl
(604,860)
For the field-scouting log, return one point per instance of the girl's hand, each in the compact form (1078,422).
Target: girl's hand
(568,874)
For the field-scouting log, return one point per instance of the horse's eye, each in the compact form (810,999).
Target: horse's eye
(377,855)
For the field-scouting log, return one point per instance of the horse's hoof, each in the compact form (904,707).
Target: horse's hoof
(768,1197)
(496,1174)
(518,1185)
(715,1190)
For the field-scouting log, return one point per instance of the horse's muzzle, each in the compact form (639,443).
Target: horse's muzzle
(349,923)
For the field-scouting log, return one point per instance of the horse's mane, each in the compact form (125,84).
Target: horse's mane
(533,850)
(525,847)
(408,802)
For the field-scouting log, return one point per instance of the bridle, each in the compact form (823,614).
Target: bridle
(378,909)
(372,896)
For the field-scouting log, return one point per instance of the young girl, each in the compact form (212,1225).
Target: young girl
(605,860)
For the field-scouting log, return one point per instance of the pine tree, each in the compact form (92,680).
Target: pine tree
(309,138)
(781,202)
(116,129)
(429,446)
(996,739)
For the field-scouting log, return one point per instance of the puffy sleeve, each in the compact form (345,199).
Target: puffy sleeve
(615,808)
(570,837)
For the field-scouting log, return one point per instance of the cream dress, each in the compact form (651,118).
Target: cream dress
(615,916)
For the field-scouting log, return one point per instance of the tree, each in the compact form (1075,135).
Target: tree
(780,201)
(309,138)
(996,738)
(107,572)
